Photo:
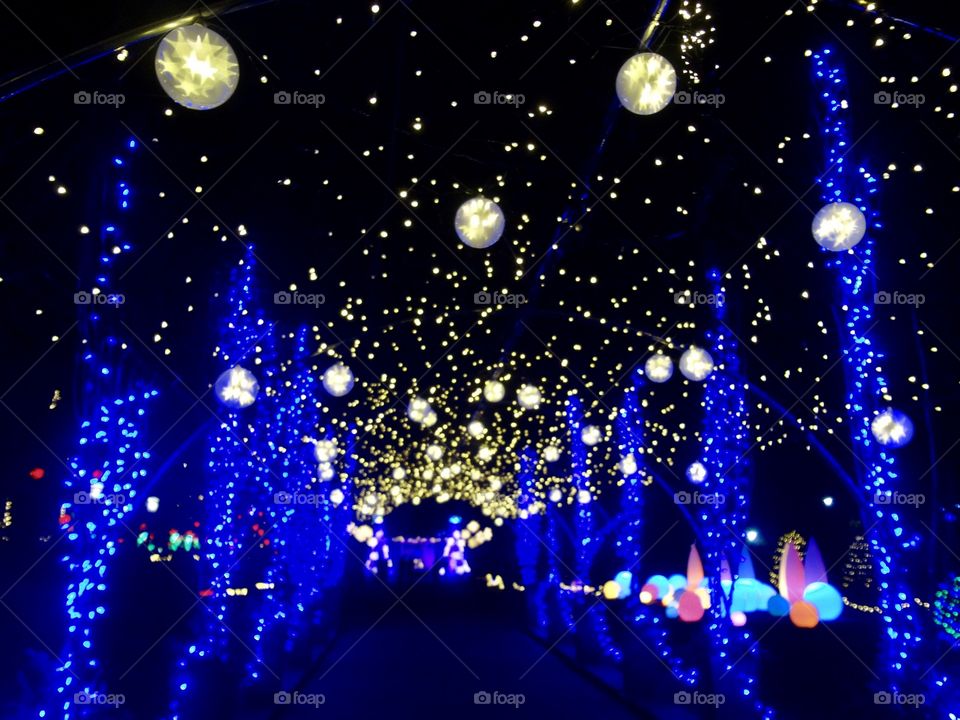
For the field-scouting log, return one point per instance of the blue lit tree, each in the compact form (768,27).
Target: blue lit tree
(528,544)
(866,386)
(629,428)
(594,633)
(724,447)
(105,474)
(580,477)
(239,500)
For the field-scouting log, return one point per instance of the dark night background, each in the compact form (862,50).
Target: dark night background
(253,145)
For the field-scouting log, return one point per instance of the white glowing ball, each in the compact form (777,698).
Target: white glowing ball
(555,495)
(236,388)
(494,391)
(325,471)
(839,226)
(484,454)
(892,428)
(363,532)
(479,222)
(646,83)
(325,450)
(628,465)
(696,473)
(529,396)
(591,435)
(399,474)
(434,452)
(583,497)
(153,504)
(658,368)
(551,453)
(338,380)
(336,496)
(197,67)
(419,410)
(696,364)
(476,429)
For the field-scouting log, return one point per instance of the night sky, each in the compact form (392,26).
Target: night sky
(622,234)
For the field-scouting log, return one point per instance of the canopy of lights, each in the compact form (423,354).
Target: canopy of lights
(606,309)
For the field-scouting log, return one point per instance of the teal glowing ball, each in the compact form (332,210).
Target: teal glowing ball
(662,584)
(624,579)
(678,582)
(826,599)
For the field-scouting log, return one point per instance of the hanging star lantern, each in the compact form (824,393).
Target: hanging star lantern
(197,67)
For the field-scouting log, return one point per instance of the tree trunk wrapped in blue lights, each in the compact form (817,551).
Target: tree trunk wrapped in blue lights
(725,444)
(876,468)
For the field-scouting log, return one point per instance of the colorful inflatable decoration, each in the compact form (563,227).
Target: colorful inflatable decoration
(810,598)
(685,597)
(746,593)
(619,587)
(802,591)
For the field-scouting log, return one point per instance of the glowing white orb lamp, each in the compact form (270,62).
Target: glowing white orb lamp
(494,391)
(839,226)
(591,435)
(338,380)
(658,368)
(197,67)
(892,428)
(529,396)
(696,364)
(646,83)
(237,388)
(696,473)
(479,223)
